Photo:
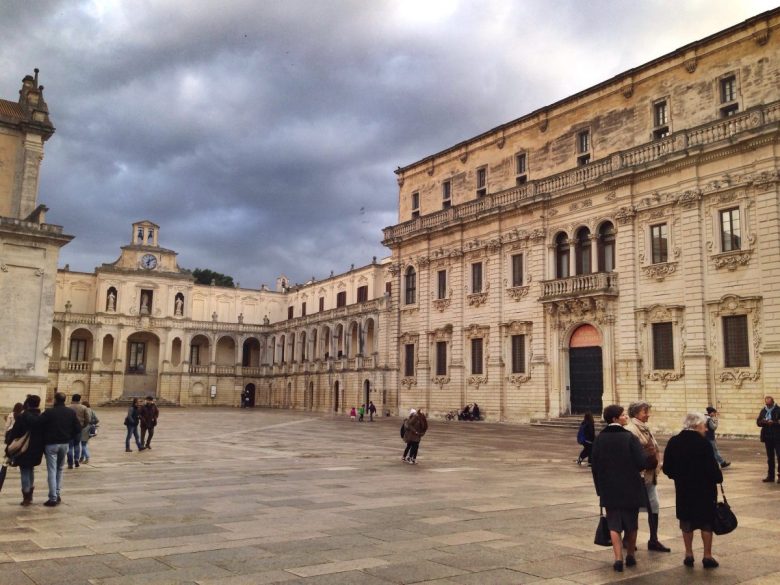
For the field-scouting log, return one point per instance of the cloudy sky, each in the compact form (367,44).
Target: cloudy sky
(262,135)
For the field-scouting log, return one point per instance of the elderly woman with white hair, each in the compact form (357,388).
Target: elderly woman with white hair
(690,462)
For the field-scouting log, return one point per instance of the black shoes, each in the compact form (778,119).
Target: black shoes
(768,480)
(618,566)
(725,464)
(630,561)
(709,563)
(688,561)
(657,546)
(50,503)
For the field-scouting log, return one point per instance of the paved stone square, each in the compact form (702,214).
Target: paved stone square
(244,497)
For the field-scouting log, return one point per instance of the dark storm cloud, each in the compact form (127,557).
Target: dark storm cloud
(262,136)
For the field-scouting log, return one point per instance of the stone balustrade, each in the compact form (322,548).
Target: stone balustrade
(580,285)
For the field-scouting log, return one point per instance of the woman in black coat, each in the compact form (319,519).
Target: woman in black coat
(32,457)
(690,461)
(617,460)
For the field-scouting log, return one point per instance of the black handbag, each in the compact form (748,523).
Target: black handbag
(602,537)
(725,519)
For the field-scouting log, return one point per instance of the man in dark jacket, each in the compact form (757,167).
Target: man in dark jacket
(59,426)
(148,416)
(769,421)
(31,458)
(618,459)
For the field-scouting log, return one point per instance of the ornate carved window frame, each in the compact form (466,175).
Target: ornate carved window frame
(517,328)
(732,259)
(475,331)
(437,335)
(662,314)
(477,299)
(659,270)
(404,340)
(728,306)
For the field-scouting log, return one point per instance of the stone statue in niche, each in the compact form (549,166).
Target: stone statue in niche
(179,307)
(111,301)
(266,321)
(144,304)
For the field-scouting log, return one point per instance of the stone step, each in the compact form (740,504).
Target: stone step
(126,401)
(567,421)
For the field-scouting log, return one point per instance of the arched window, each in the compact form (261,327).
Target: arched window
(607,247)
(561,256)
(583,251)
(410,286)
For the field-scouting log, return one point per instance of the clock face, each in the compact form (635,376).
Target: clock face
(149,261)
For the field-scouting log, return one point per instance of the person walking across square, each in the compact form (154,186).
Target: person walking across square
(148,415)
(59,426)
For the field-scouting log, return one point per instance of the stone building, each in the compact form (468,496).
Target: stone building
(621,243)
(140,325)
(29,247)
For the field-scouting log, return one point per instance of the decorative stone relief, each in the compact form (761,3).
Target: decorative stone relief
(477,380)
(407,338)
(477,299)
(688,199)
(393,269)
(659,271)
(441,334)
(408,382)
(736,376)
(732,260)
(665,376)
(577,310)
(580,204)
(441,304)
(440,381)
(517,292)
(625,215)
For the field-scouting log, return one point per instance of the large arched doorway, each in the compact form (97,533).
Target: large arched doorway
(366,392)
(586,372)
(335,397)
(249,393)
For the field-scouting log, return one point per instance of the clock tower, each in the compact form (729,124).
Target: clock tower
(144,252)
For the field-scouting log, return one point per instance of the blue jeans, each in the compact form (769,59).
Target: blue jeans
(28,478)
(55,461)
(84,451)
(718,456)
(132,431)
(74,451)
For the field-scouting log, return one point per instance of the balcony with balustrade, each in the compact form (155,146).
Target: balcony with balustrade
(582,285)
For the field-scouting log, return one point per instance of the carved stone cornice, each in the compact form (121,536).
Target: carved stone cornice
(407,338)
(566,312)
(659,271)
(441,334)
(473,331)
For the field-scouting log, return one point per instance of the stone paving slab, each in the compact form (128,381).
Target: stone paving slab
(303,498)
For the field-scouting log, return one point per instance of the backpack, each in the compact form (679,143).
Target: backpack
(581,434)
(403,429)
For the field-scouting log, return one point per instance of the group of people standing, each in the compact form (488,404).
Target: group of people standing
(359,413)
(53,434)
(625,463)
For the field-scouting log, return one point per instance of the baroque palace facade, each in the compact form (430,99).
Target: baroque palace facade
(621,243)
(140,326)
